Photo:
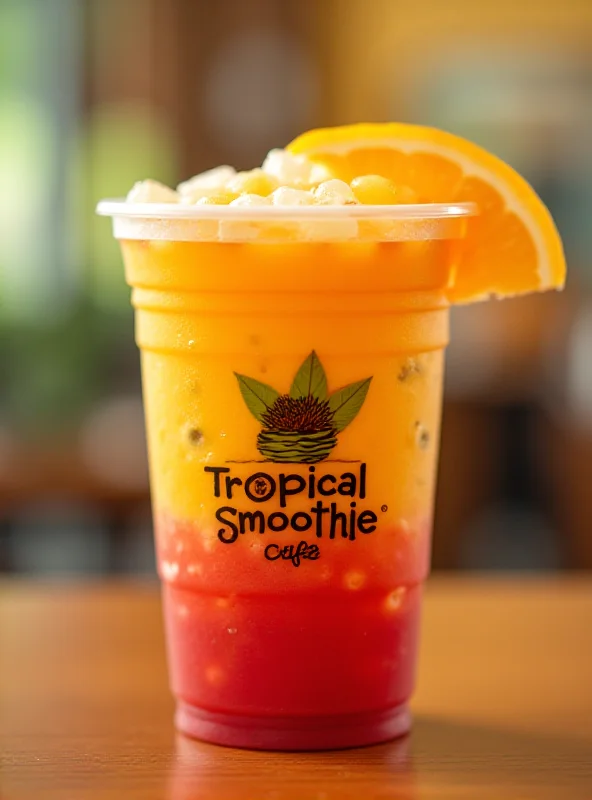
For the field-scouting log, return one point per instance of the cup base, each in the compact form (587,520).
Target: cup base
(293,733)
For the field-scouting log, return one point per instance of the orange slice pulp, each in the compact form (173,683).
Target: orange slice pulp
(512,246)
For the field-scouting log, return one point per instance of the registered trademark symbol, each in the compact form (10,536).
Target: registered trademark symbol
(384,508)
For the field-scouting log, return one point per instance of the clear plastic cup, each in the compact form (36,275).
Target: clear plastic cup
(292,365)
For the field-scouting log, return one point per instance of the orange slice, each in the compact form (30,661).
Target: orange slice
(512,246)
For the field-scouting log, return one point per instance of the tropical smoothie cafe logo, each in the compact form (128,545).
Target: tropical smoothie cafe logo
(300,427)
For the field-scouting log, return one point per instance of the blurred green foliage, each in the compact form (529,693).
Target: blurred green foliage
(51,375)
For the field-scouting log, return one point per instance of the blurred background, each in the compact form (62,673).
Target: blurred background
(95,94)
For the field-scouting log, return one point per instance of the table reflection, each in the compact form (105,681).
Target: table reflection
(209,772)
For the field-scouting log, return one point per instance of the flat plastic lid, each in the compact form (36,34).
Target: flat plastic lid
(177,222)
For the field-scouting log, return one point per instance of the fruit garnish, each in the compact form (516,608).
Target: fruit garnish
(512,246)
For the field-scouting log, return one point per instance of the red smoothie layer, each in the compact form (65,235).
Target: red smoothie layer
(325,662)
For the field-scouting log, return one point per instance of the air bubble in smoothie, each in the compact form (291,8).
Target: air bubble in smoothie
(354,580)
(395,599)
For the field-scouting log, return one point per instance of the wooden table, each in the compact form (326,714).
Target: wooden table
(503,709)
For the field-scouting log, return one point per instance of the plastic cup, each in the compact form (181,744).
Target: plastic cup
(292,365)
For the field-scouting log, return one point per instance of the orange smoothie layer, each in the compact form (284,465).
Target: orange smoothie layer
(364,489)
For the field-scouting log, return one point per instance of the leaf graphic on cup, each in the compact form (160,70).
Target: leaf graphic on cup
(310,379)
(302,426)
(258,396)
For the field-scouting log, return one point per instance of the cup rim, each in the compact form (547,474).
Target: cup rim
(120,208)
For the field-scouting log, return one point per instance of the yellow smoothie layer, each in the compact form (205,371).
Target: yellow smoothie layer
(208,311)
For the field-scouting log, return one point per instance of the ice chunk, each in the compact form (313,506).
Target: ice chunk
(194,197)
(216,178)
(287,168)
(251,200)
(334,193)
(205,184)
(286,196)
(151,192)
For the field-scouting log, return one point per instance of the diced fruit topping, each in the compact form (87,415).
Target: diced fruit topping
(378,191)
(256,181)
(218,199)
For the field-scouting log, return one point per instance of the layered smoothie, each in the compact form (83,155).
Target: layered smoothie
(292,323)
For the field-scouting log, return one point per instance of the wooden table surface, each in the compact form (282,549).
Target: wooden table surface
(503,708)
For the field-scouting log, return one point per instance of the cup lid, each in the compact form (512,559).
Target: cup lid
(119,207)
(278,224)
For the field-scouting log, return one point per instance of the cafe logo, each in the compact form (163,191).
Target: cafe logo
(301,427)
